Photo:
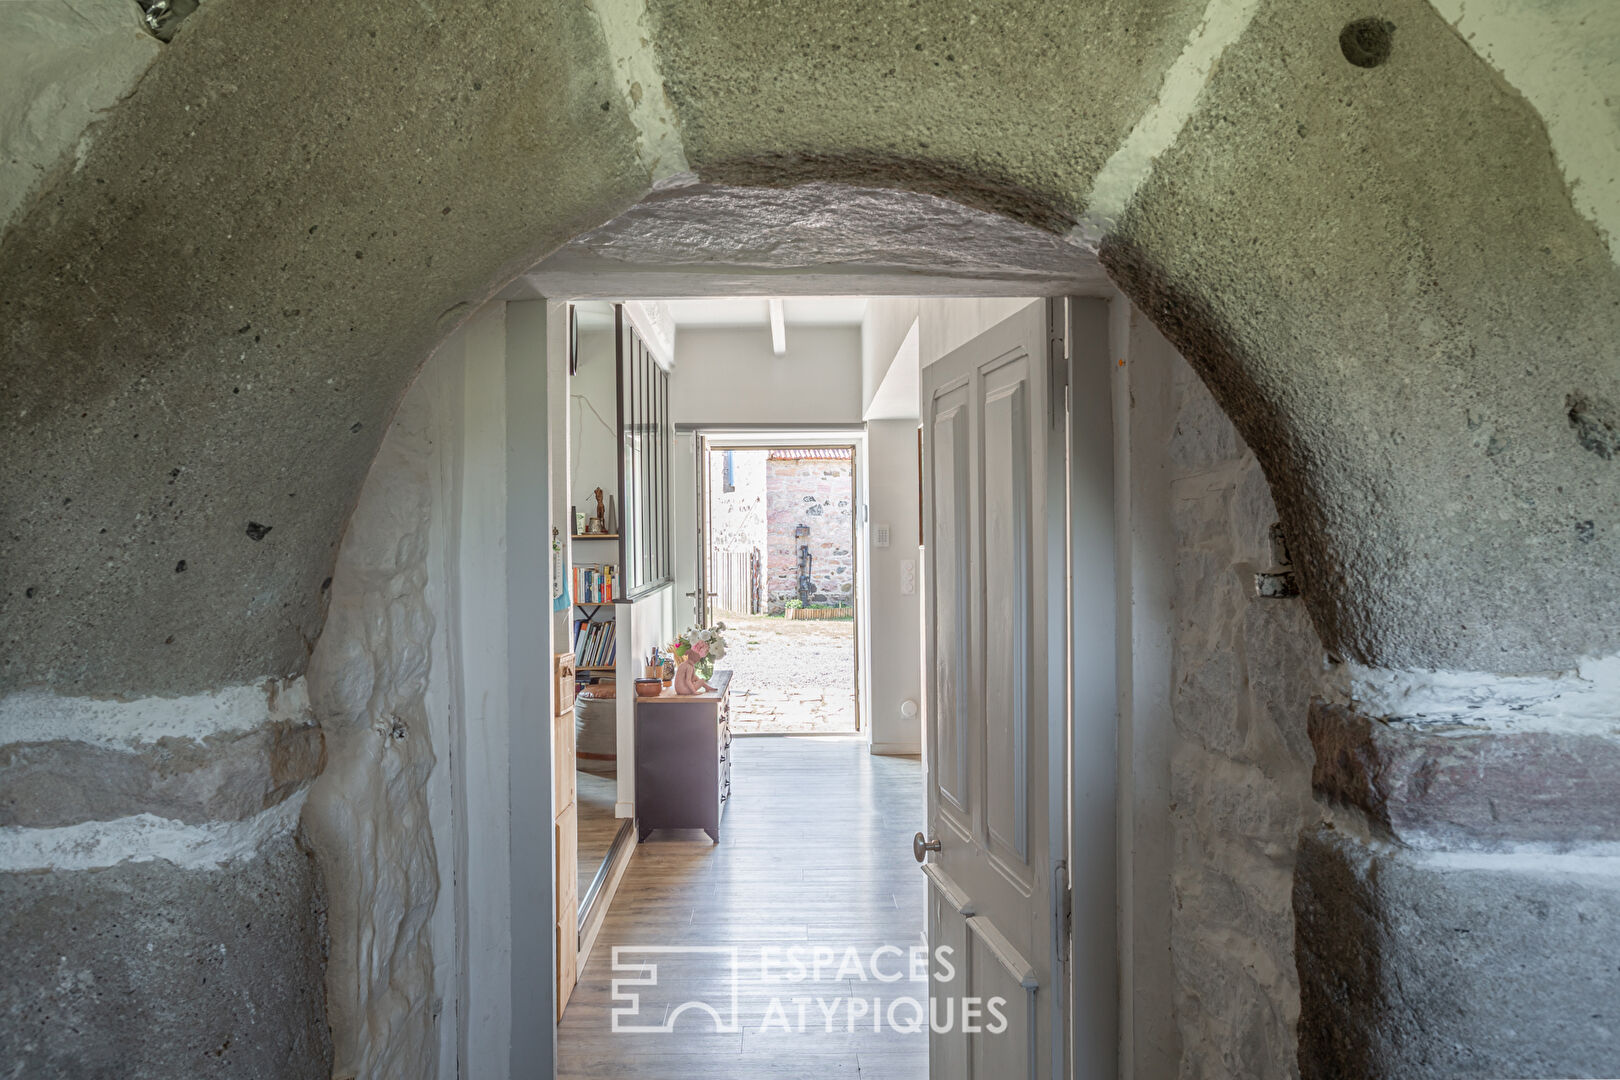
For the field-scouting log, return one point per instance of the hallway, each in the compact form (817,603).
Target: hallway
(814,856)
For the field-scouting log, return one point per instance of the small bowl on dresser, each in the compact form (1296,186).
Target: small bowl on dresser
(649,687)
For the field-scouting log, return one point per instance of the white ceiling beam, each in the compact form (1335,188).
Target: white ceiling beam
(778,327)
(657,328)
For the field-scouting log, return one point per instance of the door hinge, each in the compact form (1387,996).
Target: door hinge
(1057,358)
(1062,910)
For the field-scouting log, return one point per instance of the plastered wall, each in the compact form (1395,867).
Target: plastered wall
(730,376)
(413,685)
(379,816)
(894,671)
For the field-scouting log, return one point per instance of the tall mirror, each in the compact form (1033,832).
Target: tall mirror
(596,582)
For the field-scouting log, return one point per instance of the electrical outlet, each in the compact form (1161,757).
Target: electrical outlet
(908,577)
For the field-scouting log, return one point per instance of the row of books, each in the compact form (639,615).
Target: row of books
(594,644)
(595,584)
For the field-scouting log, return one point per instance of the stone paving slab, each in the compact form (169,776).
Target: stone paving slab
(790,676)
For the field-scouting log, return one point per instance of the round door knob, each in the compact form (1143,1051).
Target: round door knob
(921,846)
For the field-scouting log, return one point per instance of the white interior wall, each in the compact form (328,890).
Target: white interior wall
(482,874)
(730,376)
(1142,369)
(883,328)
(530,906)
(943,323)
(893,657)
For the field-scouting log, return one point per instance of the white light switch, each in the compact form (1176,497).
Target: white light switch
(908,576)
(880,536)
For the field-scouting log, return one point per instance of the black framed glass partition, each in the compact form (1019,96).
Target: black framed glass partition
(647,443)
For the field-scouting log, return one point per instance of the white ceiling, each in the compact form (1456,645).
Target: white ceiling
(753,311)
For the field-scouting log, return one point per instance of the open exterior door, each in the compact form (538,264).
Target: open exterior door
(995,650)
(700,596)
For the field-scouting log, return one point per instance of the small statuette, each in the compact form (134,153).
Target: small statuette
(687,681)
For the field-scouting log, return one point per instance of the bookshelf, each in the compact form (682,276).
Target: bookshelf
(594,630)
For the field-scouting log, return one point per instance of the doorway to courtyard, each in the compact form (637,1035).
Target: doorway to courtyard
(779,542)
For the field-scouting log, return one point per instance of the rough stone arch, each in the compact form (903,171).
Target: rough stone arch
(206,322)
(277,207)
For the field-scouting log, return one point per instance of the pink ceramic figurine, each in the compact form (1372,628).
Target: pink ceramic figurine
(687,681)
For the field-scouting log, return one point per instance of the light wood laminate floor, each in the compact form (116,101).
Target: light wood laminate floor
(814,856)
(596,794)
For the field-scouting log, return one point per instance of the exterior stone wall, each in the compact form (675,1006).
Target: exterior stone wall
(1244,672)
(818,492)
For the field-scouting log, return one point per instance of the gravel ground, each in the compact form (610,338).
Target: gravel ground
(790,675)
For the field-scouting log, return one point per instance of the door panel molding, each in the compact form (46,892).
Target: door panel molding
(1006,523)
(1005,952)
(952,543)
(948,890)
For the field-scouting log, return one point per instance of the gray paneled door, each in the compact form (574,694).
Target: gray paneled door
(993,450)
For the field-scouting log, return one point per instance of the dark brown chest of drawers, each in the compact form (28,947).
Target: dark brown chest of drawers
(683,760)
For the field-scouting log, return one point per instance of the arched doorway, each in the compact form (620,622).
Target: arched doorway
(204,309)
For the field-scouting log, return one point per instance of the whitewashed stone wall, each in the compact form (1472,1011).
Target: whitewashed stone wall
(737,517)
(1244,671)
(368,816)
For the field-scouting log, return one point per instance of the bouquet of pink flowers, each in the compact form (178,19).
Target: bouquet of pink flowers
(703,646)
